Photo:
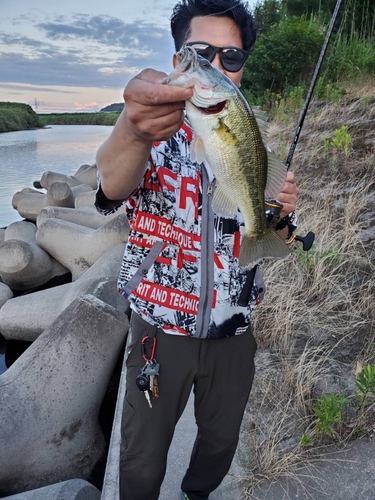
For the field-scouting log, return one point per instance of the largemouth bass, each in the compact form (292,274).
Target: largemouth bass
(227,135)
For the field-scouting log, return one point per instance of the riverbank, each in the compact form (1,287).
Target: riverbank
(315,328)
(100,118)
(16,116)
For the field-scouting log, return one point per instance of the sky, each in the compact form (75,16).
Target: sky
(78,55)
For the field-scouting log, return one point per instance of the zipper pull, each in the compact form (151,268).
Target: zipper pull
(209,189)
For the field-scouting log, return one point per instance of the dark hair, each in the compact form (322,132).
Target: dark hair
(185,10)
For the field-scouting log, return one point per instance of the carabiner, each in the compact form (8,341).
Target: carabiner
(153,347)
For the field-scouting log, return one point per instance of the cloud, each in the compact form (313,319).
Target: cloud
(16,39)
(15,86)
(24,42)
(59,70)
(85,51)
(111,31)
(87,105)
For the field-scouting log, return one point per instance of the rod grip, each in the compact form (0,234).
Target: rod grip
(245,294)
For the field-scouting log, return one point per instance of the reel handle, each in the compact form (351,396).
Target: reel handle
(307,241)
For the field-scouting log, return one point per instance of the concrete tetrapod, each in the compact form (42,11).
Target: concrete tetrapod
(74,489)
(85,216)
(51,396)
(77,247)
(5,294)
(48,178)
(27,316)
(24,193)
(84,199)
(23,263)
(87,174)
(28,204)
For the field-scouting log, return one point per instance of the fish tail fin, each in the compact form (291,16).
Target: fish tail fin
(270,246)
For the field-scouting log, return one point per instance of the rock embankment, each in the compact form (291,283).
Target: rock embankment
(51,395)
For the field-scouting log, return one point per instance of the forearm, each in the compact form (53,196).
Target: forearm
(122,160)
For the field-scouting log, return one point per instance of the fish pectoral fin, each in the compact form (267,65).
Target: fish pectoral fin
(276,175)
(269,246)
(197,152)
(222,205)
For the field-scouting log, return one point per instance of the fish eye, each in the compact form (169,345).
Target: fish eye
(205,63)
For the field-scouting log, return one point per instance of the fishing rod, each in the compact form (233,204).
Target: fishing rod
(273,207)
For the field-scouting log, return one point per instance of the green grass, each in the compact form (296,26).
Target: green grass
(79,118)
(17,116)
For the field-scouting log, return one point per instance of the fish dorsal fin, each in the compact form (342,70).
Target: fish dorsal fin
(197,152)
(276,175)
(222,205)
(262,121)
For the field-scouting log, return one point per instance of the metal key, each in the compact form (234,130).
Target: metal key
(147,394)
(143,384)
(152,369)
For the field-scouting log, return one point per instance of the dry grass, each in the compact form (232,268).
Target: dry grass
(317,323)
(361,87)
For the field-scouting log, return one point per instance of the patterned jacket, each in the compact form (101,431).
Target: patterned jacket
(180,268)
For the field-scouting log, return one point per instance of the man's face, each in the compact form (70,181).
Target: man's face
(221,32)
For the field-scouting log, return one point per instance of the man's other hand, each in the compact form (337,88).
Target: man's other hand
(289,195)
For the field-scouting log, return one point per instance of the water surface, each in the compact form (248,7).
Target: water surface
(26,154)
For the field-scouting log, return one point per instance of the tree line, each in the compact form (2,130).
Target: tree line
(290,36)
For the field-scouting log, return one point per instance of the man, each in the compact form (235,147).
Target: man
(180,269)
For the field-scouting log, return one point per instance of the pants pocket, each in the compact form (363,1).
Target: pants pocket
(138,329)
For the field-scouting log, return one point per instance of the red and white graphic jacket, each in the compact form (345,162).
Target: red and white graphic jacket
(180,268)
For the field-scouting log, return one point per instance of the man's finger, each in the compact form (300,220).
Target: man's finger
(147,89)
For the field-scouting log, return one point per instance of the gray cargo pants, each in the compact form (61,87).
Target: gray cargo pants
(221,372)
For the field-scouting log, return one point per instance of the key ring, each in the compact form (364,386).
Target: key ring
(153,347)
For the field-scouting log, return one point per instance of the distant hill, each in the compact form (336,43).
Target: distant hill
(117,106)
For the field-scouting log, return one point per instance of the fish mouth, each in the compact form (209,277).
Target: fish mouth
(213,110)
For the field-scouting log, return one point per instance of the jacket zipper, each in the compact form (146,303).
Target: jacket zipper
(207,258)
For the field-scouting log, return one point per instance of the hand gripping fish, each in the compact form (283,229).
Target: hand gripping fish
(227,135)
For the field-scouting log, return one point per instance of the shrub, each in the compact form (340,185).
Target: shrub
(285,57)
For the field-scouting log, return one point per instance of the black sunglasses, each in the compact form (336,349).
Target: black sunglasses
(232,59)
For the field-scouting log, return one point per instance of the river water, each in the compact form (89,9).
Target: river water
(25,155)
